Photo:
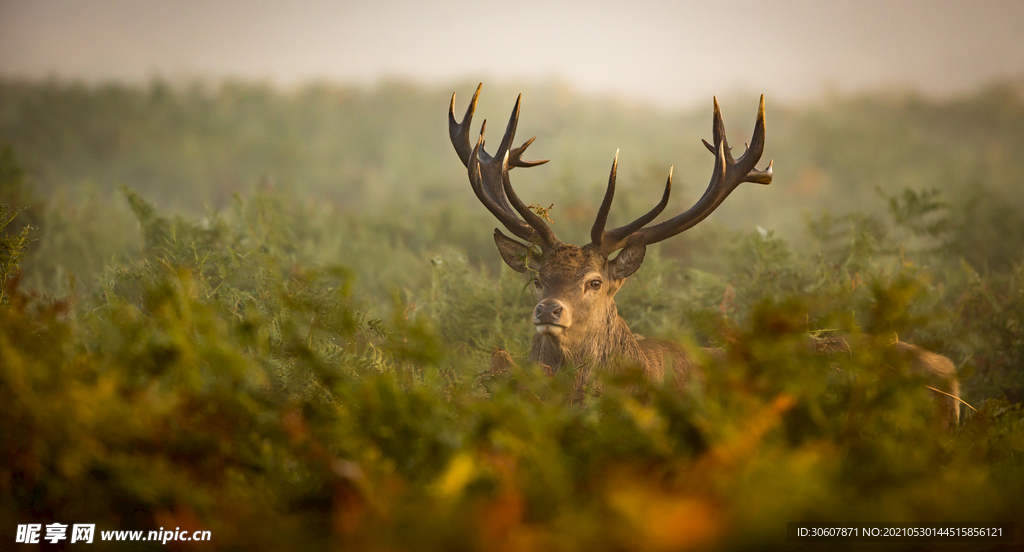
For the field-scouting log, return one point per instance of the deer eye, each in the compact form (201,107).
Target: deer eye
(594,284)
(536,282)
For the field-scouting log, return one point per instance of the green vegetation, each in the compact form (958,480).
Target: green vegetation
(270,316)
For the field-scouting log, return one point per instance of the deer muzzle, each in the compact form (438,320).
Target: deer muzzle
(551,317)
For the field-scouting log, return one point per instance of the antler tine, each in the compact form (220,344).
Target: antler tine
(761,177)
(745,163)
(718,133)
(459,132)
(510,129)
(597,231)
(718,130)
(516,154)
(754,152)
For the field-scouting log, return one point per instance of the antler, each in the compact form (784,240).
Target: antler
(488,174)
(728,174)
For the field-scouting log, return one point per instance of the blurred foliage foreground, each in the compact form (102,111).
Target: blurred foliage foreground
(223,377)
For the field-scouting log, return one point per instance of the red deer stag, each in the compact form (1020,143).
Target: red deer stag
(576,320)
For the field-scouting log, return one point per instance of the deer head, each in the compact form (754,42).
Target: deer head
(576,286)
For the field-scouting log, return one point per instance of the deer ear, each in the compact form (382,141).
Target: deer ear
(512,252)
(628,260)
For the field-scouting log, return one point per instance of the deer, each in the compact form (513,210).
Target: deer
(576,321)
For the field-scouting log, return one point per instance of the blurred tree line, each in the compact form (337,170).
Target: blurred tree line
(192,146)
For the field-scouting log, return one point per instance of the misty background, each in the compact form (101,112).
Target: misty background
(672,54)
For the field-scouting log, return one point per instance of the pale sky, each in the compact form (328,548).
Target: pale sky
(670,53)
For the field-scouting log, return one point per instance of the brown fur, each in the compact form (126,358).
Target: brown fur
(598,338)
(939,371)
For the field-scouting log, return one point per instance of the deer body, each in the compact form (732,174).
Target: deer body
(576,321)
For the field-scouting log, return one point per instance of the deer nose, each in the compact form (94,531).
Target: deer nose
(548,311)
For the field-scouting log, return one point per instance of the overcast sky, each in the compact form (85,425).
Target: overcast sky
(671,53)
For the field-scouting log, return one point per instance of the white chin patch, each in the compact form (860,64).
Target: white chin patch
(548,329)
